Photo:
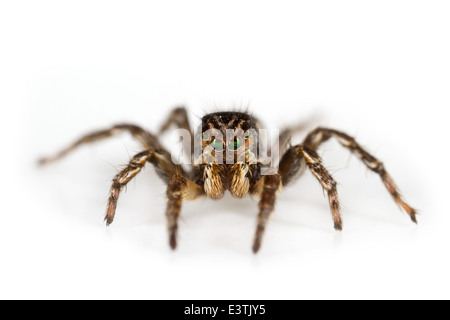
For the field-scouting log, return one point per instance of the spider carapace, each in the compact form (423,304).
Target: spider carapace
(226,156)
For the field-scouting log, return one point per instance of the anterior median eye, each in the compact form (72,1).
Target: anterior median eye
(217,144)
(235,144)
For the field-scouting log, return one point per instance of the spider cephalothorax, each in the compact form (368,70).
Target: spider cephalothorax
(227,157)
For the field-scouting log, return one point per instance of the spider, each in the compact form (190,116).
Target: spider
(212,178)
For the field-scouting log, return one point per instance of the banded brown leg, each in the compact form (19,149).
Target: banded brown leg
(174,201)
(122,178)
(320,135)
(148,140)
(272,184)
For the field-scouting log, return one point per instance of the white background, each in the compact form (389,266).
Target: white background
(379,70)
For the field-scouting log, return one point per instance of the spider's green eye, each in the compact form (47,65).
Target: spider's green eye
(235,144)
(247,134)
(217,145)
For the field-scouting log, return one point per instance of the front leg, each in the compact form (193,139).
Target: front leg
(322,175)
(122,178)
(174,199)
(164,168)
(178,188)
(272,184)
(294,162)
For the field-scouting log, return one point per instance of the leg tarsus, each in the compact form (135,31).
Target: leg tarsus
(173,239)
(338,226)
(112,202)
(393,190)
(258,238)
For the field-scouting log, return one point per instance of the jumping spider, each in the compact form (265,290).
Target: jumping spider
(212,178)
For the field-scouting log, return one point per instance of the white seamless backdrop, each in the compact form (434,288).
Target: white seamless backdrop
(376,70)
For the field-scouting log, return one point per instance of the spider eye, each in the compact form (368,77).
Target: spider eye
(217,144)
(235,144)
(247,134)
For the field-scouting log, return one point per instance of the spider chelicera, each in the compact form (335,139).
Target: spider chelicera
(242,176)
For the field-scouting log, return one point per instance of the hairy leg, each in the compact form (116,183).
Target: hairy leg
(292,165)
(178,117)
(294,162)
(122,178)
(320,135)
(272,184)
(148,140)
(174,200)
(178,188)
(322,175)
(164,169)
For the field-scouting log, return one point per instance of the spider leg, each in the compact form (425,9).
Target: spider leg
(291,165)
(286,134)
(148,140)
(315,165)
(179,118)
(174,200)
(320,135)
(272,184)
(294,162)
(178,188)
(123,177)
